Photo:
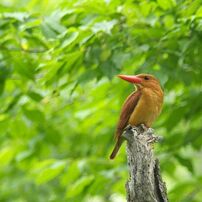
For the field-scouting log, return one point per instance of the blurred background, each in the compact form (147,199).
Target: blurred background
(60,98)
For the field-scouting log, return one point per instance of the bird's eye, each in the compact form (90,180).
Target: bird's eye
(146,78)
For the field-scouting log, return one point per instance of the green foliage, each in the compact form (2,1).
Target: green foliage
(60,99)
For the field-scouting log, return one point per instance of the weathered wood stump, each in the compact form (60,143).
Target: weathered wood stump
(145,183)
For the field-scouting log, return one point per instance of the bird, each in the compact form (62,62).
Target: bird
(142,106)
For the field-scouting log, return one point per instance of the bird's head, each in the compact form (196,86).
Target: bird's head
(142,80)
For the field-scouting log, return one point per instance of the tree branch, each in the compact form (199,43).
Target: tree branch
(145,183)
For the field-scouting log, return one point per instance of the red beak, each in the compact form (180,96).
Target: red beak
(131,79)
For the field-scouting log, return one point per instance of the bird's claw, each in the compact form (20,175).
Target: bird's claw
(143,127)
(150,131)
(127,135)
(129,132)
(128,127)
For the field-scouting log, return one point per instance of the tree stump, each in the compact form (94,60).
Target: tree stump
(145,183)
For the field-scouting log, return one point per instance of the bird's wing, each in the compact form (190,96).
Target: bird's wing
(126,111)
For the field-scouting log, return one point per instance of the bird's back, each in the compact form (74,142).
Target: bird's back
(126,111)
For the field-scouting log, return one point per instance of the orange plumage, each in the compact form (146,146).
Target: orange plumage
(141,107)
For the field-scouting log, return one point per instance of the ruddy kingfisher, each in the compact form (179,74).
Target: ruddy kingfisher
(142,106)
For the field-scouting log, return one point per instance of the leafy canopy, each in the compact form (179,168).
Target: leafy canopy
(60,99)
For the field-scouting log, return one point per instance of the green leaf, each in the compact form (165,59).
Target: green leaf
(14,101)
(105,26)
(48,32)
(87,76)
(35,96)
(192,8)
(185,162)
(166,4)
(71,37)
(34,115)
(199,12)
(79,186)
(169,21)
(23,155)
(109,69)
(6,156)
(21,16)
(73,172)
(52,26)
(50,172)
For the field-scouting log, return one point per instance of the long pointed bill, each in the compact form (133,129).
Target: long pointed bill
(131,79)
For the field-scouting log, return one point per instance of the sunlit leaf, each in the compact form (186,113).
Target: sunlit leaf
(79,186)
(104,26)
(50,172)
(6,155)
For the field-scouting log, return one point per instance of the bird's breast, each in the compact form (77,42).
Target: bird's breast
(147,109)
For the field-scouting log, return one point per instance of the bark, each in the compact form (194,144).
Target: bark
(145,183)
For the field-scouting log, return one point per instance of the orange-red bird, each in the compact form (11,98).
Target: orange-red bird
(141,107)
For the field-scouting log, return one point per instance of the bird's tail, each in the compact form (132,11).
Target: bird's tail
(116,148)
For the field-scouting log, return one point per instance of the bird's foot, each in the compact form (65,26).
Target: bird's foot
(150,131)
(143,128)
(151,137)
(129,132)
(128,127)
(127,135)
